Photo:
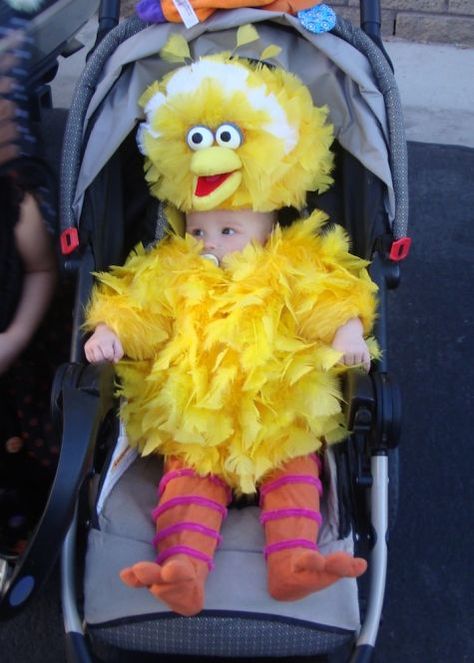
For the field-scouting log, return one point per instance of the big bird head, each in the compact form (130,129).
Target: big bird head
(226,133)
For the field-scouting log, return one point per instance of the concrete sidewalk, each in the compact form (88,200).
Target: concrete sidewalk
(435,81)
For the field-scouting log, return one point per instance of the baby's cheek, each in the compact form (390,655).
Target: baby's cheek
(237,243)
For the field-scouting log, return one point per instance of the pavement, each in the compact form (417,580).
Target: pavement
(437,91)
(435,82)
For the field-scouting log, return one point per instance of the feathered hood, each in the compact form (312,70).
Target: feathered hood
(226,133)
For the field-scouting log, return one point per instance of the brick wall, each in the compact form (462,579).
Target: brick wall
(445,21)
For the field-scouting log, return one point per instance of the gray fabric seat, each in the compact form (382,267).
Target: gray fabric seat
(237,600)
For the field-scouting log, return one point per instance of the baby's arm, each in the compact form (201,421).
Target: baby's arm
(349,339)
(103,345)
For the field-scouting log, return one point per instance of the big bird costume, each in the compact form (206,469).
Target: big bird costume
(229,371)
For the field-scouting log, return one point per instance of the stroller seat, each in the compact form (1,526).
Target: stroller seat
(237,598)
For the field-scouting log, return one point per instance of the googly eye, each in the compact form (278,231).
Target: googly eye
(199,137)
(229,135)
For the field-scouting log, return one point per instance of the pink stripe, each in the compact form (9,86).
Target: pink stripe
(173,474)
(290,543)
(184,550)
(290,478)
(180,527)
(188,499)
(291,513)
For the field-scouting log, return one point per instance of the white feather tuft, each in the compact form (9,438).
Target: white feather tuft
(144,128)
(153,104)
(187,80)
(279,126)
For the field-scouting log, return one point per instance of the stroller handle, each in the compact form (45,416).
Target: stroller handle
(370,15)
(371,18)
(109,14)
(371,24)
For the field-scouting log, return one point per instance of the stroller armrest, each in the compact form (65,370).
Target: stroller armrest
(373,408)
(84,395)
(359,398)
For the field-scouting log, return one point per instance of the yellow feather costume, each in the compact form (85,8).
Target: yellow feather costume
(231,368)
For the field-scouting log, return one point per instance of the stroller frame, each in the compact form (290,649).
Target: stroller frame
(82,395)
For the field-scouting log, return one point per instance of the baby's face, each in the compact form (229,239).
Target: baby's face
(227,231)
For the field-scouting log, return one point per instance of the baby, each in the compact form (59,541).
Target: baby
(230,338)
(192,506)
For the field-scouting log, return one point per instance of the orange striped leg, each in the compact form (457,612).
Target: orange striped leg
(188,518)
(290,500)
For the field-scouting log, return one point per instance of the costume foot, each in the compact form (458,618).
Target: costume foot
(178,582)
(129,577)
(296,574)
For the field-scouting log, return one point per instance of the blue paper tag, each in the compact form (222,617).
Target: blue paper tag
(318,19)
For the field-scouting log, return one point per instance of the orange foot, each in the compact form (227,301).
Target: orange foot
(292,575)
(179,582)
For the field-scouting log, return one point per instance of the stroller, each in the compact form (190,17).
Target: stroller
(101,480)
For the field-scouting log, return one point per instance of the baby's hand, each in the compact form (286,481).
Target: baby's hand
(349,339)
(103,345)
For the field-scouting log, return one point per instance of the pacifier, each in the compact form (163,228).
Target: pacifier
(211,257)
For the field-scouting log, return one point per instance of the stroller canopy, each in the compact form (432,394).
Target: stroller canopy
(361,94)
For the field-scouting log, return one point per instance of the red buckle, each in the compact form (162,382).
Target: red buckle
(69,241)
(400,249)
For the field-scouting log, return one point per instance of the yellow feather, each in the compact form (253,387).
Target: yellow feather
(176,49)
(270,52)
(246,34)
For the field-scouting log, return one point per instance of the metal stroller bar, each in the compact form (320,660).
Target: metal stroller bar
(378,558)
(398,149)
(370,18)
(72,150)
(109,13)
(76,646)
